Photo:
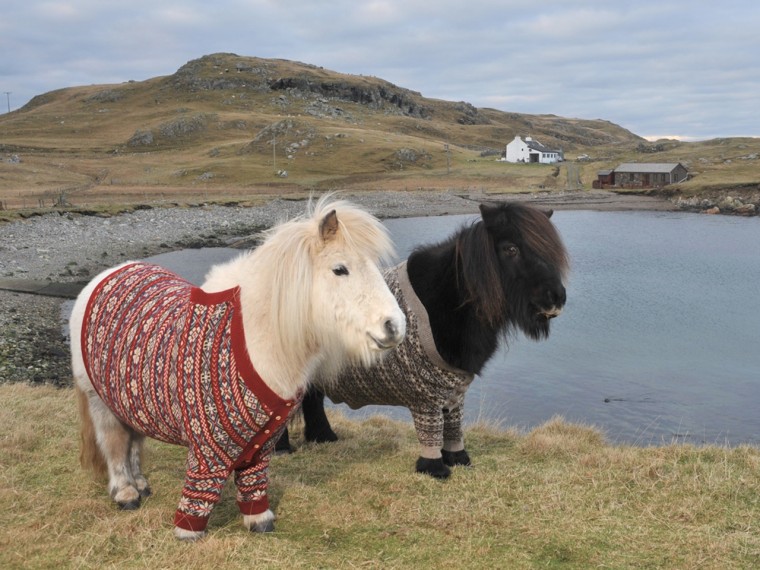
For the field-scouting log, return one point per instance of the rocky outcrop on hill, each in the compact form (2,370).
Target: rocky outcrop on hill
(405,157)
(469,114)
(293,135)
(213,72)
(218,71)
(182,127)
(381,96)
(300,81)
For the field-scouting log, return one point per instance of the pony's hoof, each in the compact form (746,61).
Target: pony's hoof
(262,522)
(128,498)
(267,526)
(130,505)
(145,492)
(320,436)
(188,535)
(433,467)
(454,458)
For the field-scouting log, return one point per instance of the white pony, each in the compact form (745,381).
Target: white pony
(219,368)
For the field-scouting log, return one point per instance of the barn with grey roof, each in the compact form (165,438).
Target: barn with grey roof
(642,175)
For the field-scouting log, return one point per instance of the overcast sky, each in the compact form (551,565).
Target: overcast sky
(686,69)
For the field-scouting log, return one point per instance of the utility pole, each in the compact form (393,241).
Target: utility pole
(274,151)
(448,159)
(8,96)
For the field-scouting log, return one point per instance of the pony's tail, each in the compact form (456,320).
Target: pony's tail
(90,456)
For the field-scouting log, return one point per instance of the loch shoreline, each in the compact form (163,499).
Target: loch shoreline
(70,248)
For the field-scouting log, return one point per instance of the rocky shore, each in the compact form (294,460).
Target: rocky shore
(69,247)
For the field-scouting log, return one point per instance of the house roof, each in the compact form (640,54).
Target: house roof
(535,145)
(648,167)
(604,172)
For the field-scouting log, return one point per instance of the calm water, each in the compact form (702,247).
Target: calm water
(658,341)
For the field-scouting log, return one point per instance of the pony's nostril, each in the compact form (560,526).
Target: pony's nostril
(390,328)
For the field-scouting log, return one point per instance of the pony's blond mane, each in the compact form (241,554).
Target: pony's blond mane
(280,271)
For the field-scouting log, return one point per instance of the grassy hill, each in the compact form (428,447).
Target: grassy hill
(226,127)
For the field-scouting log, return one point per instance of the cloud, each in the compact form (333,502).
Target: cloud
(652,66)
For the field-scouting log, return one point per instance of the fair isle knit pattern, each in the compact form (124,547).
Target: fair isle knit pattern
(170,361)
(412,375)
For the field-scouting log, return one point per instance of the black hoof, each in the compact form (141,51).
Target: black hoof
(320,436)
(130,505)
(433,467)
(145,493)
(454,458)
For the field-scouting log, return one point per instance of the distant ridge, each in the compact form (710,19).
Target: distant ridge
(282,86)
(229,127)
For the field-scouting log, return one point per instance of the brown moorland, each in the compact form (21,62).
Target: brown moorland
(231,128)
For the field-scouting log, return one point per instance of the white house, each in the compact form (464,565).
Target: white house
(530,150)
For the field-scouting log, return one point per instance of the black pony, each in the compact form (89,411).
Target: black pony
(501,274)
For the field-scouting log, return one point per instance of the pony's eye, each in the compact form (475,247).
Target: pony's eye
(340,270)
(510,249)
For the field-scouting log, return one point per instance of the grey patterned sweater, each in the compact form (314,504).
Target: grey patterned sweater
(412,375)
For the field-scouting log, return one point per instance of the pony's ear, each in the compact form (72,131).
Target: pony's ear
(490,213)
(328,227)
(548,212)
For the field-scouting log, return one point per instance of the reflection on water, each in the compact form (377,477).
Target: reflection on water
(657,342)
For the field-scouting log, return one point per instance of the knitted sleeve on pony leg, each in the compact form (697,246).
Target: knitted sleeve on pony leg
(202,491)
(252,482)
(428,424)
(252,473)
(452,425)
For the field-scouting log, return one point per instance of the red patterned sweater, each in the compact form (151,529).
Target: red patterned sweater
(170,360)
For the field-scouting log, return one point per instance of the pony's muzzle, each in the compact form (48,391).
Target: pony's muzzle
(552,313)
(552,302)
(390,327)
(557,296)
(394,330)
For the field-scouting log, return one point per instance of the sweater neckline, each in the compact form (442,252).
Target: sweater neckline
(424,331)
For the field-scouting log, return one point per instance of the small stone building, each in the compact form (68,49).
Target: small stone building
(642,175)
(649,174)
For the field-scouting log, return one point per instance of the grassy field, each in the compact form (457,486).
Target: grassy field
(556,497)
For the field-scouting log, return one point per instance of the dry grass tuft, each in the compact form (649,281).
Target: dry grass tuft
(557,437)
